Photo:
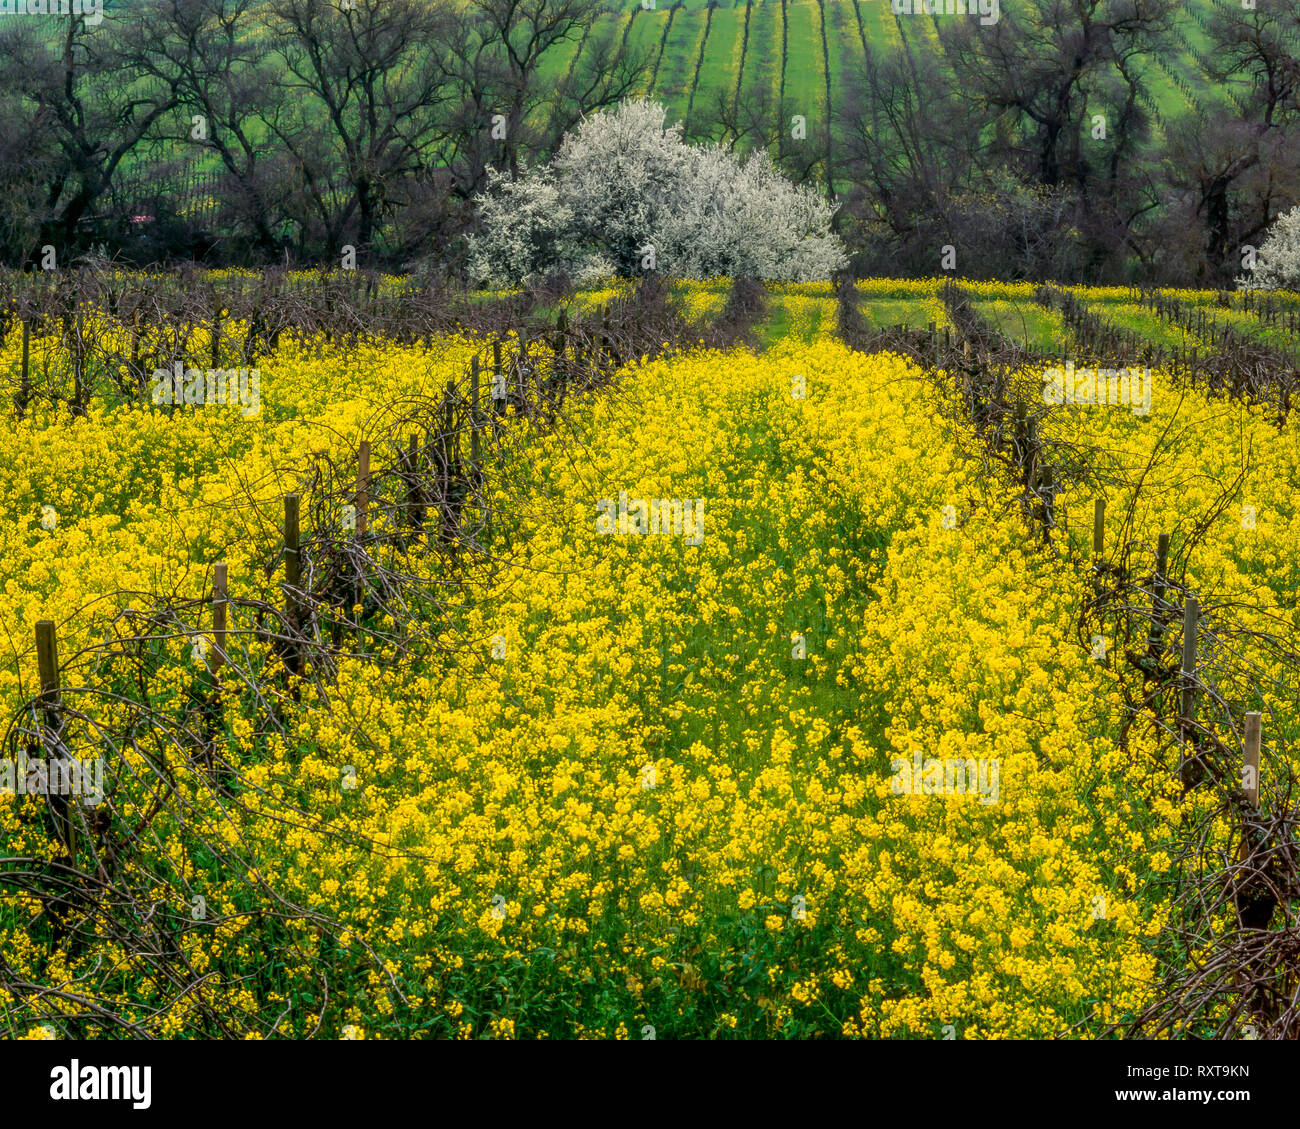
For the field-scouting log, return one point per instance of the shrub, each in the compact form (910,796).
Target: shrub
(1277,266)
(525,223)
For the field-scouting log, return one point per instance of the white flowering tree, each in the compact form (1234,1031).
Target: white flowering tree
(621,173)
(1277,265)
(626,192)
(526,228)
(744,218)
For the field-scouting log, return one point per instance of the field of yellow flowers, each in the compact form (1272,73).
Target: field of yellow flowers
(674,799)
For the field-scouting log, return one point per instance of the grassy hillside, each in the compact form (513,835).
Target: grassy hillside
(784,52)
(712,60)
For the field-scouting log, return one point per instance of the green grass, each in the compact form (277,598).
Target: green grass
(1247,323)
(721,66)
(805,77)
(804,80)
(878,24)
(1026,322)
(1140,320)
(886,313)
(763,61)
(677,68)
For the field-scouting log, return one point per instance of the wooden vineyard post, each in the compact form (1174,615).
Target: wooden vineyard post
(135,349)
(219,575)
(498,389)
(1046,488)
(1098,528)
(414,502)
(355,589)
(47,664)
(521,378)
(212,703)
(1187,705)
(25,385)
(1031,450)
(1255,906)
(454,423)
(1157,597)
(292,565)
(475,453)
(79,362)
(448,455)
(555,391)
(406,456)
(363,487)
(292,576)
(1250,761)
